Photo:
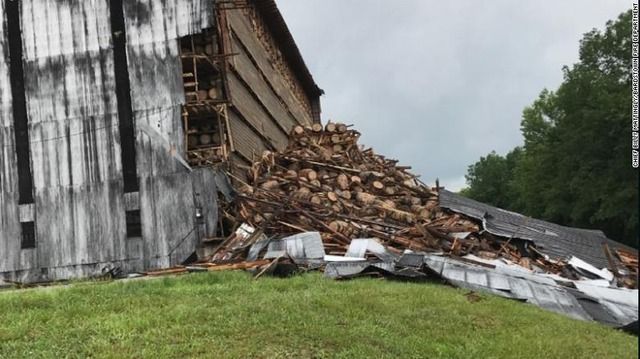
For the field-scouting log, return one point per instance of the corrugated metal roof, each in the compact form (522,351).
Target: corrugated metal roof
(274,20)
(306,245)
(338,270)
(360,246)
(584,300)
(553,239)
(610,306)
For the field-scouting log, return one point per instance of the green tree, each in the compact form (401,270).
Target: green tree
(490,179)
(537,170)
(575,165)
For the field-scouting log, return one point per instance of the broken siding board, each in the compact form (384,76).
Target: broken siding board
(241,27)
(206,191)
(167,215)
(252,76)
(154,150)
(254,114)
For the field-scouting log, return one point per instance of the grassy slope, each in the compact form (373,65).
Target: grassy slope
(230,315)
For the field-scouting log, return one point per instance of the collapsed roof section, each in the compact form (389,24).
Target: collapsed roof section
(557,241)
(325,181)
(582,299)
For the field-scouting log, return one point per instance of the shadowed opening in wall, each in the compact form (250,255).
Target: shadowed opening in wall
(123,94)
(205,111)
(28,235)
(134,224)
(20,120)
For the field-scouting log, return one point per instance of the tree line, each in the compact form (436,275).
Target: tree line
(574,168)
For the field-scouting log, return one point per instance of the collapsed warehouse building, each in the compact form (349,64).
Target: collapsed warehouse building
(328,203)
(113,114)
(121,121)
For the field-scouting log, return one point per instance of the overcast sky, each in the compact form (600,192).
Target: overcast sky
(437,84)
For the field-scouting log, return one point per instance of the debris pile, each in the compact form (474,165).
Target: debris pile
(325,181)
(629,260)
(327,203)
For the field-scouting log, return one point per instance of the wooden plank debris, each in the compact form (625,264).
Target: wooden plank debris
(325,182)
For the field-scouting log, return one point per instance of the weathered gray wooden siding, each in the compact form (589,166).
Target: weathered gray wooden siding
(265,101)
(75,151)
(75,145)
(9,220)
(155,71)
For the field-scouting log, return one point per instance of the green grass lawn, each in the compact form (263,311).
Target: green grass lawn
(215,315)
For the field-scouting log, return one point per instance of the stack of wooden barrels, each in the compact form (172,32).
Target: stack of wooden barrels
(210,90)
(325,181)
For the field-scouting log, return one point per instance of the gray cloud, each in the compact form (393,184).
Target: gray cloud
(438,84)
